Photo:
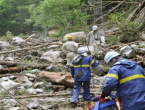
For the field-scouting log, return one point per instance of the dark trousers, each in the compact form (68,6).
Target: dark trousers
(76,90)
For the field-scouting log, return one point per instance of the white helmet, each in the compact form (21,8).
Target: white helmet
(81,50)
(94,28)
(110,55)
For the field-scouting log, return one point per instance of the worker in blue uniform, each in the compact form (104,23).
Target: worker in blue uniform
(80,71)
(128,78)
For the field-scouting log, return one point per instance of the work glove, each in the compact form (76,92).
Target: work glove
(103,95)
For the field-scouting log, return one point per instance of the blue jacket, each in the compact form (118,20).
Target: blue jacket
(129,80)
(86,63)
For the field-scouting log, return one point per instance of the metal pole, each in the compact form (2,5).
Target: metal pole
(45,32)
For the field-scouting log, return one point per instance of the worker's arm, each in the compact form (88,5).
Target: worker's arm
(93,63)
(111,82)
(72,69)
(87,39)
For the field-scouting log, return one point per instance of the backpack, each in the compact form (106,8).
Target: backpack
(104,104)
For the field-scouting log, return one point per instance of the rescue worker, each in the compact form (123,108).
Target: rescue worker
(94,39)
(82,67)
(70,49)
(128,78)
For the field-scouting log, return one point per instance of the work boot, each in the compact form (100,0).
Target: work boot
(85,105)
(74,104)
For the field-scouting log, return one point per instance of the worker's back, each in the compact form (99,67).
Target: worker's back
(84,66)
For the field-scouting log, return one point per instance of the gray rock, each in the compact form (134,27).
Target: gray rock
(125,49)
(129,53)
(143,36)
(8,85)
(9,59)
(35,71)
(4,79)
(99,70)
(34,91)
(12,77)
(8,102)
(33,105)
(39,85)
(134,46)
(55,105)
(31,75)
(26,83)
(15,108)
(4,45)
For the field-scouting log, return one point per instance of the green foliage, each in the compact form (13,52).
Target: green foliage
(22,35)
(142,45)
(4,93)
(53,13)
(54,35)
(29,68)
(13,14)
(20,92)
(128,30)
(9,34)
(112,40)
(129,33)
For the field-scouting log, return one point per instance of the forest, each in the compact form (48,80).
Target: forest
(25,17)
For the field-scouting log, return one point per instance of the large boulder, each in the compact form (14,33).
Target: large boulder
(75,35)
(4,45)
(18,40)
(51,56)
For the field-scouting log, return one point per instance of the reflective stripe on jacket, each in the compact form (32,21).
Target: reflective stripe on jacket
(86,63)
(129,80)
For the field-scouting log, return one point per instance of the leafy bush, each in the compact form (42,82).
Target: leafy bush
(54,35)
(129,33)
(53,13)
(112,40)
(9,34)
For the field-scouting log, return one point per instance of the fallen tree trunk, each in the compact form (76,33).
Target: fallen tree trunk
(63,78)
(40,95)
(23,66)
(18,69)
(12,63)
(109,12)
(132,16)
(120,1)
(44,95)
(121,45)
(30,48)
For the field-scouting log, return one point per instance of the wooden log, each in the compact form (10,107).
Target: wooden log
(29,37)
(63,78)
(139,57)
(121,1)
(38,95)
(132,16)
(104,15)
(30,48)
(131,43)
(19,66)
(44,95)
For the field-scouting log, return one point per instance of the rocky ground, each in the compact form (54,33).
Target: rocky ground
(33,75)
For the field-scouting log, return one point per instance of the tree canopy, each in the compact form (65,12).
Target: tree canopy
(24,16)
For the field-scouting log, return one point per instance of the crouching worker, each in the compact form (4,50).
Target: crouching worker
(80,71)
(128,78)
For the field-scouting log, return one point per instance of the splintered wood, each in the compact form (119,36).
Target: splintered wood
(63,78)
